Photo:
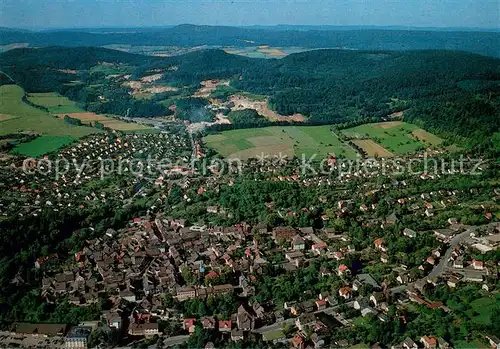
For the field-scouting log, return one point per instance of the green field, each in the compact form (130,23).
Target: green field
(289,141)
(397,137)
(484,307)
(33,119)
(270,336)
(42,145)
(55,103)
(470,345)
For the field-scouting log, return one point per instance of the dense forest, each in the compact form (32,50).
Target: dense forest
(486,43)
(455,94)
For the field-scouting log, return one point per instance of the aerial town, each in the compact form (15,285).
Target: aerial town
(329,183)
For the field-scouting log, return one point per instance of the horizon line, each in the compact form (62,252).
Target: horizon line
(264,26)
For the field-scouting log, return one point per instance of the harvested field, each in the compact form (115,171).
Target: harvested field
(389,124)
(372,149)
(427,137)
(4,117)
(271,51)
(120,125)
(107,121)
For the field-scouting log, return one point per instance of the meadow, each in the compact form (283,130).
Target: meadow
(289,141)
(380,139)
(42,145)
(395,137)
(54,102)
(26,118)
(107,121)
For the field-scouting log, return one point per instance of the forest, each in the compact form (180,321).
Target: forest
(191,35)
(454,94)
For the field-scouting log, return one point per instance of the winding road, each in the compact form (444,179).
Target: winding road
(439,268)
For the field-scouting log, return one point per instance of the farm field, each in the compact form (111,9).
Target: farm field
(27,118)
(4,117)
(289,141)
(42,145)
(394,137)
(114,124)
(54,102)
(264,51)
(372,149)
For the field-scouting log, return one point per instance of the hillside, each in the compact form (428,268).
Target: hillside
(18,116)
(69,58)
(487,43)
(448,92)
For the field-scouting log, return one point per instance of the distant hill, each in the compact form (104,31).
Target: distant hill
(448,92)
(482,42)
(69,58)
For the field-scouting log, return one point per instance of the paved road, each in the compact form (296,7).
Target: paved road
(274,327)
(439,268)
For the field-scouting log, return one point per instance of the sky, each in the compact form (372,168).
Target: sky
(38,14)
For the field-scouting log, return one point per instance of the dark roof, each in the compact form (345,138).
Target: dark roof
(45,329)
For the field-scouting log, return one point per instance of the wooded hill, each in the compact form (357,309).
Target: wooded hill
(487,43)
(452,93)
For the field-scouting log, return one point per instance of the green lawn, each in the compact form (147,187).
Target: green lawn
(396,137)
(33,119)
(484,307)
(469,345)
(42,145)
(269,336)
(287,140)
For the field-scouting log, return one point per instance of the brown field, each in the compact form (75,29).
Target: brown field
(123,126)
(84,116)
(396,115)
(111,123)
(389,124)
(425,136)
(272,52)
(4,117)
(371,148)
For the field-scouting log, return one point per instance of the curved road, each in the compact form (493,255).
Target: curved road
(439,268)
